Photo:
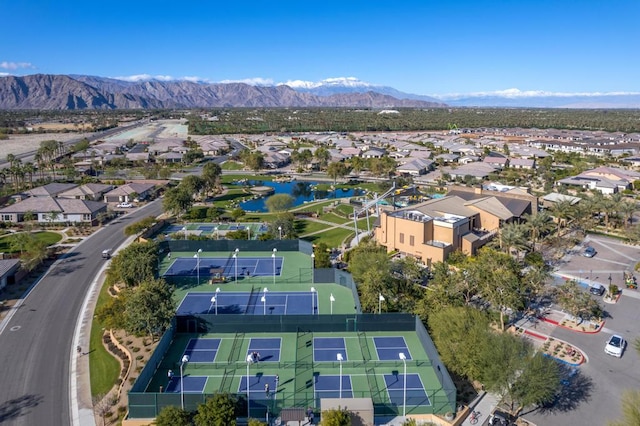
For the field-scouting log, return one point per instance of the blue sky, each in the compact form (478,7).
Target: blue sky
(422,47)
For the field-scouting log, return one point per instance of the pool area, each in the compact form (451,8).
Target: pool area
(301,191)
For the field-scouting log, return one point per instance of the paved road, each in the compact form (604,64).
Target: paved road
(35,343)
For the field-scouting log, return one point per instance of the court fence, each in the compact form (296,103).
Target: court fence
(442,399)
(304,247)
(148,405)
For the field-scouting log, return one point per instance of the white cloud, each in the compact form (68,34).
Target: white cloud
(15,65)
(519,94)
(4,74)
(255,81)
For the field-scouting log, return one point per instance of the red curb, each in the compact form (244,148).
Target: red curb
(597,330)
(539,336)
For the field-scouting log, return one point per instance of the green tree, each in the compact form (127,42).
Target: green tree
(35,252)
(173,416)
(110,313)
(337,170)
(211,173)
(321,253)
(149,308)
(177,200)
(536,384)
(217,411)
(336,417)
(279,203)
(459,334)
(537,225)
(237,213)
(630,409)
(575,301)
(135,263)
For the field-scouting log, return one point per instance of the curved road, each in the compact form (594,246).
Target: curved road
(35,342)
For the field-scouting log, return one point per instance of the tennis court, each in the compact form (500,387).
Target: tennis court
(258,302)
(328,348)
(389,348)
(268,349)
(328,386)
(415,393)
(202,350)
(227,266)
(187,384)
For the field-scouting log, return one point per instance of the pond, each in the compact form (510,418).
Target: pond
(301,191)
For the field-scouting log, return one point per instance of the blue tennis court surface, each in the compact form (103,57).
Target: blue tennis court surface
(257,388)
(230,302)
(416,394)
(267,348)
(328,348)
(389,348)
(190,384)
(228,266)
(202,350)
(206,228)
(329,387)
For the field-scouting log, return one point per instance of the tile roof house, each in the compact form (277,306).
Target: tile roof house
(58,210)
(128,192)
(8,269)
(89,191)
(496,162)
(50,189)
(416,167)
(522,163)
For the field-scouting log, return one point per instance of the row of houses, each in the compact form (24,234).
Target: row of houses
(71,203)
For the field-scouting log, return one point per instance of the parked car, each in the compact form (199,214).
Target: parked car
(124,205)
(615,346)
(498,418)
(597,289)
(589,252)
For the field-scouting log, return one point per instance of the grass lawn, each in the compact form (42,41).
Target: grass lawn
(332,237)
(332,217)
(48,237)
(231,165)
(308,226)
(104,368)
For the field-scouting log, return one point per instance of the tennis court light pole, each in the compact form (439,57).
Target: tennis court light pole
(280,231)
(264,300)
(184,229)
(235,256)
(248,399)
(404,388)
(332,299)
(273,256)
(185,359)
(313,266)
(216,229)
(340,359)
(313,304)
(214,300)
(380,300)
(197,256)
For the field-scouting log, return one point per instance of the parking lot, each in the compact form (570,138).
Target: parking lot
(593,396)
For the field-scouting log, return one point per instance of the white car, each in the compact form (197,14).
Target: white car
(615,346)
(124,205)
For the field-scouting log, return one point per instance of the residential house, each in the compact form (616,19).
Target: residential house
(8,271)
(50,189)
(496,162)
(89,191)
(374,153)
(416,167)
(128,192)
(522,163)
(54,210)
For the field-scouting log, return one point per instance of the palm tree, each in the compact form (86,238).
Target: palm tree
(627,209)
(537,225)
(512,235)
(562,211)
(630,409)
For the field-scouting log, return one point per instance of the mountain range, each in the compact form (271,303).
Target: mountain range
(65,92)
(77,92)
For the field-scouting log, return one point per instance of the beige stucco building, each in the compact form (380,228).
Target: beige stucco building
(464,221)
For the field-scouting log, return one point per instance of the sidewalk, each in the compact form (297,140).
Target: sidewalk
(484,405)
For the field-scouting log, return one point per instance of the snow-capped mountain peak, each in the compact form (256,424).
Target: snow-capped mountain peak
(335,81)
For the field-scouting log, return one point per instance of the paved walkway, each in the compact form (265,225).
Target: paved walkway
(483,405)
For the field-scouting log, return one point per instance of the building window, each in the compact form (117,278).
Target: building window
(86,217)
(7,217)
(411,240)
(401,238)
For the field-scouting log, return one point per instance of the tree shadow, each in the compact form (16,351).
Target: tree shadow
(17,407)
(575,389)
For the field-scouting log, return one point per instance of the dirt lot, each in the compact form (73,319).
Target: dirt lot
(19,144)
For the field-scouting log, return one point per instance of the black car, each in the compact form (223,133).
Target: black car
(498,418)
(597,289)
